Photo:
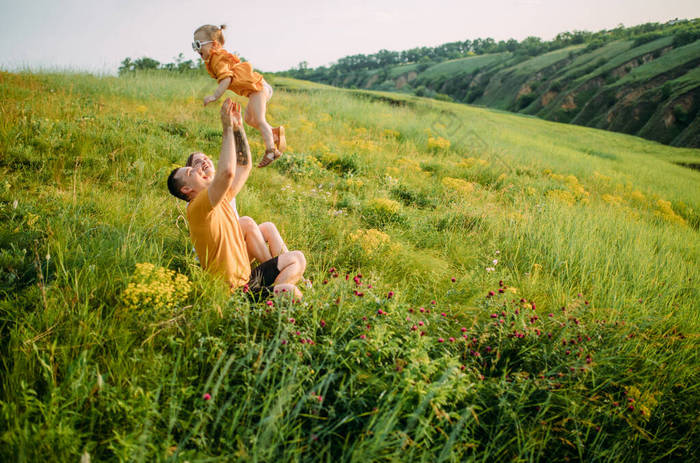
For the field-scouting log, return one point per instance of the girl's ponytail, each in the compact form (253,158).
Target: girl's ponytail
(212,32)
(220,34)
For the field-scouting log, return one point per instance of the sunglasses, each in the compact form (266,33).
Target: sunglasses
(197,45)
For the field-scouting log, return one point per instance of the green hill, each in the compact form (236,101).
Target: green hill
(642,83)
(486,286)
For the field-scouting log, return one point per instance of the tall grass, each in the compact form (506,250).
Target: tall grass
(486,287)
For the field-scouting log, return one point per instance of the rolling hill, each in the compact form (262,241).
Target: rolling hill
(646,85)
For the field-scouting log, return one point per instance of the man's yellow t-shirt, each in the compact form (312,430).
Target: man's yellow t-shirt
(218,239)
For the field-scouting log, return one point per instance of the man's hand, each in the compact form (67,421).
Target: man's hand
(227,115)
(226,170)
(237,118)
(209,99)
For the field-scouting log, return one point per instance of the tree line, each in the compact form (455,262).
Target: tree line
(685,31)
(180,65)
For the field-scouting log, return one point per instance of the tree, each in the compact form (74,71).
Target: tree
(532,46)
(387,58)
(145,63)
(126,66)
(511,45)
(488,45)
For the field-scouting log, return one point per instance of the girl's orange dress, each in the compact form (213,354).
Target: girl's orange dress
(222,64)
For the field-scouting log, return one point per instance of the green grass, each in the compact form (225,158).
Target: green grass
(675,58)
(545,60)
(602,224)
(622,58)
(686,82)
(584,61)
(507,83)
(463,65)
(401,70)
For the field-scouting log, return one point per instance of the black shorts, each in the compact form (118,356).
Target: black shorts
(262,280)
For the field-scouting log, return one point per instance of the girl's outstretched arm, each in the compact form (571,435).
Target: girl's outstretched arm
(223,85)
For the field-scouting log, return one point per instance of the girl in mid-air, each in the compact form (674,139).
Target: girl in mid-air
(239,77)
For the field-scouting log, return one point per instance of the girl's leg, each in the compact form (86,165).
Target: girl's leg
(255,117)
(274,239)
(257,248)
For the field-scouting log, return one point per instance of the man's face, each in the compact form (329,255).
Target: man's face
(201,160)
(194,179)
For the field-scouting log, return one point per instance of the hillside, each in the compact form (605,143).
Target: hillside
(486,286)
(646,85)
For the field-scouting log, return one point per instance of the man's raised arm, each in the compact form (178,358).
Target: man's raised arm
(243,158)
(226,170)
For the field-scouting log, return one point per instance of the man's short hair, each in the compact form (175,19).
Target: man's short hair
(175,185)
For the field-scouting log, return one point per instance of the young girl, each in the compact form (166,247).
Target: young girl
(239,77)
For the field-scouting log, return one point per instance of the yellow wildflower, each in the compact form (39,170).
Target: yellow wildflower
(155,288)
(409,164)
(371,240)
(353,184)
(319,146)
(612,199)
(393,171)
(388,133)
(328,158)
(562,196)
(361,131)
(666,212)
(600,176)
(458,185)
(637,196)
(471,162)
(306,127)
(438,143)
(645,402)
(384,205)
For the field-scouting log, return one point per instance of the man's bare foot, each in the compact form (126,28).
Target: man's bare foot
(288,289)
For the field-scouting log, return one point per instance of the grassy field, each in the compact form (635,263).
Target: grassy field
(586,61)
(463,65)
(542,61)
(486,286)
(675,58)
(632,53)
(402,70)
(645,86)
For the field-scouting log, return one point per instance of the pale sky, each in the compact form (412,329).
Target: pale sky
(276,35)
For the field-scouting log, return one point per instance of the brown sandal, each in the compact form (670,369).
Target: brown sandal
(270,155)
(279,138)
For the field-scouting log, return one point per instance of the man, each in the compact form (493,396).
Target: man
(214,228)
(263,241)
